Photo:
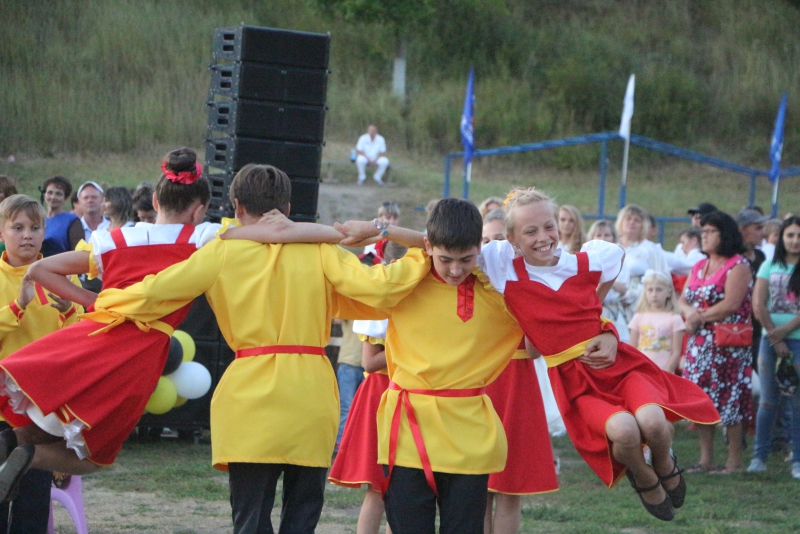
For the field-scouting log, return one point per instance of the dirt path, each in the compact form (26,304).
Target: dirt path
(109,512)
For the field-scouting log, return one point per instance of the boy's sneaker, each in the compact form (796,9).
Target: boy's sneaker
(796,470)
(757,466)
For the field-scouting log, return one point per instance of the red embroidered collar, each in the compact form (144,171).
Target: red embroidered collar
(466,295)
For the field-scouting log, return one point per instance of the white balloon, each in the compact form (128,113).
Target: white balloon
(192,380)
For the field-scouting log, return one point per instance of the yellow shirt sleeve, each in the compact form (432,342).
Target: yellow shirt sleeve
(86,247)
(362,292)
(163,293)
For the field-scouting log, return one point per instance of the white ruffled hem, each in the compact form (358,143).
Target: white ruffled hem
(72,432)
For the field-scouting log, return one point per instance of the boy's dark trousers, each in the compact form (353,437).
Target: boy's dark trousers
(253,494)
(30,511)
(411,503)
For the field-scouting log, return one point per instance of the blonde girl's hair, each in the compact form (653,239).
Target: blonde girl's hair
(482,207)
(522,197)
(658,277)
(633,209)
(599,225)
(578,237)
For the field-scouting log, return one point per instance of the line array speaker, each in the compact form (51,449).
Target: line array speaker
(267,106)
(271,45)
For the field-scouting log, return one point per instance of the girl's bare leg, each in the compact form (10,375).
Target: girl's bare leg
(371,515)
(626,442)
(658,432)
(57,457)
(487,518)
(706,445)
(507,515)
(34,435)
(735,462)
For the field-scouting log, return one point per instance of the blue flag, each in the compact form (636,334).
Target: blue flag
(777,142)
(467,129)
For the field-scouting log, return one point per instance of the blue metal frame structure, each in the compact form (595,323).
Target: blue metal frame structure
(603,139)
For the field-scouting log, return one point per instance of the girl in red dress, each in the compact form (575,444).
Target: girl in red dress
(357,460)
(610,412)
(529,467)
(76,395)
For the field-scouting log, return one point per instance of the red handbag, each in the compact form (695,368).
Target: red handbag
(733,334)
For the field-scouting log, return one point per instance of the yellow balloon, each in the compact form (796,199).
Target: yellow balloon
(187,343)
(163,398)
(181,401)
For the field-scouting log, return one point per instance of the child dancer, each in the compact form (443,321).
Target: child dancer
(441,453)
(608,412)
(28,313)
(275,411)
(105,381)
(657,328)
(357,460)
(530,468)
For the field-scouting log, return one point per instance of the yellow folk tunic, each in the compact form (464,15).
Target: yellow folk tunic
(20,327)
(272,408)
(428,346)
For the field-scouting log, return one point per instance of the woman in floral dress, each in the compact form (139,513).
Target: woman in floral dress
(719,290)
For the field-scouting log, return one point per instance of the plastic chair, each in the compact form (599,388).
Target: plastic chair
(71,496)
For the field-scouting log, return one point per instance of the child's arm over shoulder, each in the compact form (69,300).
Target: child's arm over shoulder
(169,290)
(373,357)
(52,273)
(275,227)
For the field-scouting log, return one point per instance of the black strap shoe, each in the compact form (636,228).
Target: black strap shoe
(677,494)
(13,469)
(664,510)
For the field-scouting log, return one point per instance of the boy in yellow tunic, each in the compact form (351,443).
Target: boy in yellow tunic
(452,336)
(275,410)
(27,313)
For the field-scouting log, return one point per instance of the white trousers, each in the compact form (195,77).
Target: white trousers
(361,163)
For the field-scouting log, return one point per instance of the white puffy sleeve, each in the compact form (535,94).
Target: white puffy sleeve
(497,262)
(205,233)
(604,257)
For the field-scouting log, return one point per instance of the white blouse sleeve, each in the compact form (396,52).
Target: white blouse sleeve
(604,257)
(206,232)
(496,260)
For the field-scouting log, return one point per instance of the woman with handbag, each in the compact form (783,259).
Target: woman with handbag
(776,303)
(716,304)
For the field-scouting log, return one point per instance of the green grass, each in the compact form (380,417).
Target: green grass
(765,502)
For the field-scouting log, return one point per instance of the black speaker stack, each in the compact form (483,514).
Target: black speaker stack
(267,105)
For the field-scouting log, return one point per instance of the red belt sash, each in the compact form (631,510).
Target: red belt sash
(403,400)
(281,349)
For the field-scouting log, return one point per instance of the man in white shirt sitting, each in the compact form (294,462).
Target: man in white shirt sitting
(371,150)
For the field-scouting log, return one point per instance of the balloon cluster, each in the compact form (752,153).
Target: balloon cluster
(182,378)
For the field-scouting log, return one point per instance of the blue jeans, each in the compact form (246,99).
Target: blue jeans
(768,404)
(349,378)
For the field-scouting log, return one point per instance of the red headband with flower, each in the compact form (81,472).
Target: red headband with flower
(183,177)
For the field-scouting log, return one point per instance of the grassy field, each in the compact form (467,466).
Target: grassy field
(176,473)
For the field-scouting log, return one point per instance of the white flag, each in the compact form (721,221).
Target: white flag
(627,110)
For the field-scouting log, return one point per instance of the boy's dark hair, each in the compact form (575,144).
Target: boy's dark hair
(455,224)
(261,188)
(175,197)
(730,238)
(60,182)
(780,255)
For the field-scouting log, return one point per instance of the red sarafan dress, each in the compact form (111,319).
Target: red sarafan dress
(356,462)
(98,386)
(517,400)
(559,321)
